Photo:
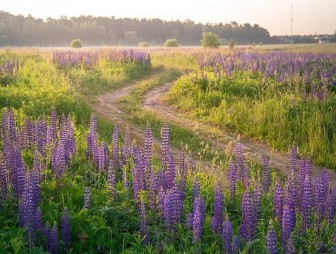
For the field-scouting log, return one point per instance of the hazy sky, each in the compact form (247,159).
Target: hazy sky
(310,16)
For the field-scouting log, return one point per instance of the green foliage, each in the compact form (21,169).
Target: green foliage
(171,43)
(77,43)
(143,44)
(232,43)
(210,40)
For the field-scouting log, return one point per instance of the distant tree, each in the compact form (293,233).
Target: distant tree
(171,43)
(77,43)
(210,40)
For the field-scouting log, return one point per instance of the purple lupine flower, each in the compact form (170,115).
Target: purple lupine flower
(290,199)
(127,143)
(235,245)
(256,205)
(102,158)
(112,182)
(290,247)
(246,230)
(165,147)
(66,228)
(38,220)
(271,239)
(331,204)
(153,190)
(171,171)
(287,225)
(227,236)
(46,233)
(197,220)
(3,180)
(148,144)
(306,206)
(266,175)
(232,179)
(277,201)
(87,198)
(217,219)
(115,147)
(53,240)
(143,223)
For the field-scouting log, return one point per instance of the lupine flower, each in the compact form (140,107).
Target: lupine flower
(227,236)
(3,180)
(115,147)
(271,240)
(197,220)
(277,201)
(148,144)
(165,137)
(306,206)
(38,220)
(217,219)
(256,205)
(235,245)
(153,190)
(53,240)
(290,247)
(87,198)
(266,175)
(246,229)
(232,179)
(66,228)
(287,225)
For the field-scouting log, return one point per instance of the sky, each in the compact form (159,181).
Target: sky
(309,16)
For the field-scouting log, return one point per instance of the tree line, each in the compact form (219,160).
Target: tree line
(17,30)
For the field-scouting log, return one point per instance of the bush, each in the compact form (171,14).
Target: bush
(171,43)
(210,40)
(143,44)
(77,43)
(232,43)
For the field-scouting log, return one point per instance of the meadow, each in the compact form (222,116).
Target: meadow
(72,181)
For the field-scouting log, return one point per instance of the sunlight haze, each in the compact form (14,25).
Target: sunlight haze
(310,17)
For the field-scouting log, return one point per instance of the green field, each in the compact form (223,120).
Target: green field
(127,180)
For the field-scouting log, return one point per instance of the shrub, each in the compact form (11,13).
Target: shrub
(232,43)
(171,43)
(77,43)
(210,40)
(143,44)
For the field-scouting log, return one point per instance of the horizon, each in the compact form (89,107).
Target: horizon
(308,18)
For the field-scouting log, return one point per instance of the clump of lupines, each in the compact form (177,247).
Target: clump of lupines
(9,68)
(75,58)
(282,67)
(129,56)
